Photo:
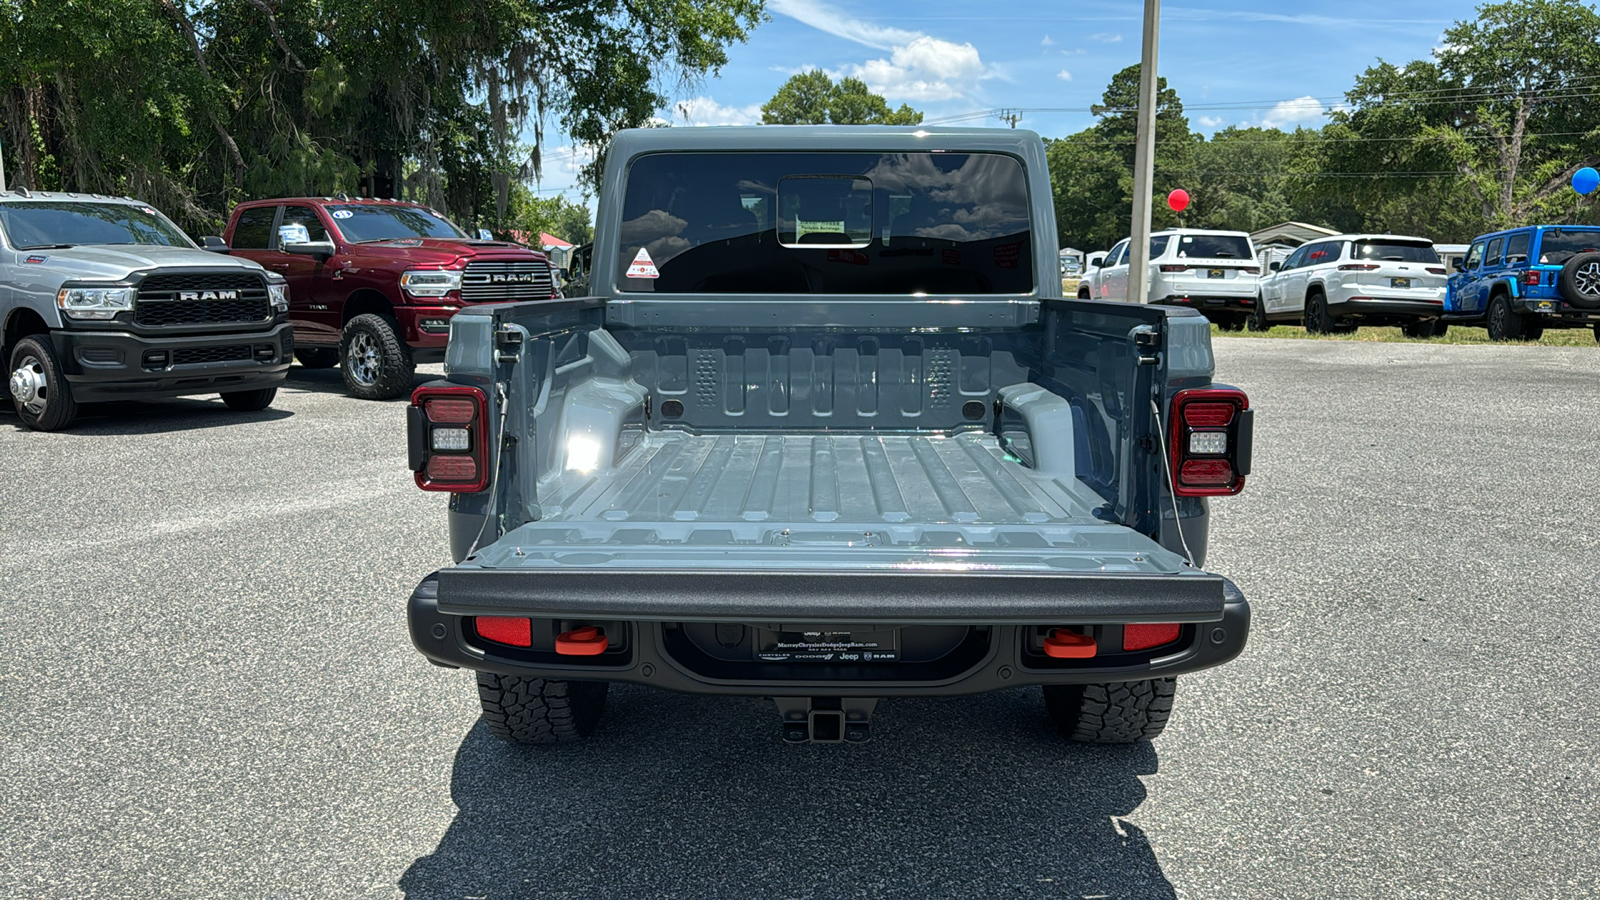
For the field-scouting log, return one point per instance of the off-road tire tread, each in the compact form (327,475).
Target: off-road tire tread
(1115,713)
(540,710)
(398,370)
(249,401)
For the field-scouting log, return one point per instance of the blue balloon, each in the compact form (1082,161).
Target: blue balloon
(1585,180)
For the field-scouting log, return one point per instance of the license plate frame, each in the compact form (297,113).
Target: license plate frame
(1400,284)
(840,645)
(1216,273)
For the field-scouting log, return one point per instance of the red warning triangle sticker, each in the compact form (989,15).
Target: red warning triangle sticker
(643,266)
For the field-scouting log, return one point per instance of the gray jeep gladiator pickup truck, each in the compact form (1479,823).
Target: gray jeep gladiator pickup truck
(826,432)
(104,298)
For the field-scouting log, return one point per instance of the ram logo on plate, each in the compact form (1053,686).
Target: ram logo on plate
(208,295)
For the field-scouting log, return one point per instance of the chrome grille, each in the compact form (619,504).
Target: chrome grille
(498,282)
(242,300)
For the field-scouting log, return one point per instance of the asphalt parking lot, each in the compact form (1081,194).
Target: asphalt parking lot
(206,689)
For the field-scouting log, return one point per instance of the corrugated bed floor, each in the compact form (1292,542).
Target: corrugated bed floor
(856,478)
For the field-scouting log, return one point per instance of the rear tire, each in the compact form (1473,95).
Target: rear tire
(1431,328)
(318,357)
(376,364)
(39,391)
(1083,294)
(1502,322)
(1231,323)
(249,401)
(1597,333)
(1116,713)
(539,710)
(1258,317)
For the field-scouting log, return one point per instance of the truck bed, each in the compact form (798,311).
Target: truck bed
(823,502)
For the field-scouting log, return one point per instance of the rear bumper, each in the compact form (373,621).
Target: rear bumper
(1376,308)
(118,365)
(1209,302)
(649,628)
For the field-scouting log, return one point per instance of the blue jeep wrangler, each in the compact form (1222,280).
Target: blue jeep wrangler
(1519,282)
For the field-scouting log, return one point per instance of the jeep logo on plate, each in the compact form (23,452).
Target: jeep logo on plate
(521,278)
(208,295)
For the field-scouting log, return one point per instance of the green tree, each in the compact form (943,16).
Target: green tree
(1488,133)
(1092,171)
(812,98)
(554,215)
(195,104)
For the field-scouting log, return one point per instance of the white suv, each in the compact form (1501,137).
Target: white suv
(1339,283)
(1214,272)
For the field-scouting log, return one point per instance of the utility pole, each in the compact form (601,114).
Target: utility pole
(1144,160)
(1010,116)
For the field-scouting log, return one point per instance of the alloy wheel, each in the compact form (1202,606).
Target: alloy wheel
(364,359)
(1587,278)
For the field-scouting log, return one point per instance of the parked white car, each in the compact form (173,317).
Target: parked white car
(1214,272)
(1092,267)
(1339,283)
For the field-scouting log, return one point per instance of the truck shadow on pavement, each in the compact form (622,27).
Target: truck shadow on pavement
(151,417)
(684,796)
(330,381)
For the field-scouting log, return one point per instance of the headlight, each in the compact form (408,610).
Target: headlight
(430,282)
(94,303)
(278,291)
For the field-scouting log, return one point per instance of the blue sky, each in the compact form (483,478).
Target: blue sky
(1233,62)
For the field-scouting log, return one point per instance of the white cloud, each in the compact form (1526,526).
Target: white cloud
(1106,38)
(1047,42)
(1075,51)
(920,68)
(824,17)
(1299,111)
(706,111)
(1211,121)
(1064,75)
(926,69)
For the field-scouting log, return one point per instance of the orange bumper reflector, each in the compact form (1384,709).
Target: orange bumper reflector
(585,641)
(506,630)
(1064,644)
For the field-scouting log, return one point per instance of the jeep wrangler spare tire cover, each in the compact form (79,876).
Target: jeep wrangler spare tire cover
(1580,280)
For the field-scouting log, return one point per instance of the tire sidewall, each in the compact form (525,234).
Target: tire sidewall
(59,408)
(1501,323)
(396,367)
(1567,281)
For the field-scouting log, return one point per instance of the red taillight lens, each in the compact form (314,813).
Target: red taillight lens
(1251,270)
(1174,268)
(1531,278)
(450,410)
(1210,441)
(1208,415)
(448,449)
(1437,270)
(505,630)
(1356,267)
(1143,637)
(1205,473)
(452,468)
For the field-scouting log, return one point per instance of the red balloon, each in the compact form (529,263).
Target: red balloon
(1178,200)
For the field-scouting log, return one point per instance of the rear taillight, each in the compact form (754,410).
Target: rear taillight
(1211,437)
(1532,277)
(1357,267)
(1171,269)
(1251,270)
(447,427)
(1437,270)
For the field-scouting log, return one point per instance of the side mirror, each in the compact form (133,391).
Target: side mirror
(1100,263)
(1275,266)
(1458,264)
(214,244)
(319,249)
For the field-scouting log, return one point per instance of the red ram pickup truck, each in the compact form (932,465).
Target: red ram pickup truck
(373,283)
